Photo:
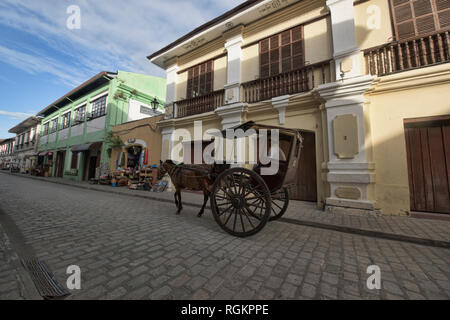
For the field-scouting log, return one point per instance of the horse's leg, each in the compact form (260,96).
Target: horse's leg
(176,198)
(205,200)
(180,205)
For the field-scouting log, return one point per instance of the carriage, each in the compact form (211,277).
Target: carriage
(243,199)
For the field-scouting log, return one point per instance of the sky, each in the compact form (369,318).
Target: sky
(41,58)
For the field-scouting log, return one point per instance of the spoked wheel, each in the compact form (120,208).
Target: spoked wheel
(240,202)
(280,202)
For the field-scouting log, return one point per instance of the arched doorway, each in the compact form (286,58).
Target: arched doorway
(133,155)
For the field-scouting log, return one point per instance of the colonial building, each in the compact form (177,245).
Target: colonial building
(25,147)
(6,152)
(367,81)
(71,143)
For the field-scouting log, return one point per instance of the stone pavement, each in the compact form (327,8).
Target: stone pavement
(137,248)
(15,283)
(421,231)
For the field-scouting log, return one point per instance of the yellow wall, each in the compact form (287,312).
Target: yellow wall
(318,41)
(250,63)
(220,73)
(412,94)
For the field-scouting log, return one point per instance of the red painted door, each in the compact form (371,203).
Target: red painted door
(428,152)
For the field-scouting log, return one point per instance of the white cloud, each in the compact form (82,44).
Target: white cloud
(114,34)
(15,115)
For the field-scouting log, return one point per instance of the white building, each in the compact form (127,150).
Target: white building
(25,143)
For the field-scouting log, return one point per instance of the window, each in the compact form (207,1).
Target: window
(74,163)
(54,125)
(65,121)
(46,127)
(282,52)
(98,107)
(80,114)
(419,17)
(200,79)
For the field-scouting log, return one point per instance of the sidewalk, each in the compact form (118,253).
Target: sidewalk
(401,228)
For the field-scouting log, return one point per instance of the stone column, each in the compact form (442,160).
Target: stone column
(234,111)
(171,90)
(349,171)
(346,53)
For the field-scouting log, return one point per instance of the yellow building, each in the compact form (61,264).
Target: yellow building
(140,137)
(367,81)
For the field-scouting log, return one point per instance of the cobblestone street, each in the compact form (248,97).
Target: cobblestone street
(133,248)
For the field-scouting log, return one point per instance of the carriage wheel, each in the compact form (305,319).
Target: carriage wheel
(280,202)
(240,202)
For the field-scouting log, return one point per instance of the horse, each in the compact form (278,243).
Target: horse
(197,177)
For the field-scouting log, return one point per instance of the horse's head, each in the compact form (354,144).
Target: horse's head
(164,167)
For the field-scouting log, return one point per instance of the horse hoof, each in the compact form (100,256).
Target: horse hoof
(199,215)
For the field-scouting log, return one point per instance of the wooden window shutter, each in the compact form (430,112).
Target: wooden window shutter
(298,58)
(443,8)
(274,55)
(209,77)
(282,52)
(200,79)
(264,60)
(419,17)
(286,51)
(423,13)
(444,19)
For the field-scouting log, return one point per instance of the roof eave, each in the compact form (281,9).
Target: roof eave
(107,74)
(203,28)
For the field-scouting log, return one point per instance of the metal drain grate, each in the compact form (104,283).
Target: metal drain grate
(46,284)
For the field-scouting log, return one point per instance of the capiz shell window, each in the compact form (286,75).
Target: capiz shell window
(66,120)
(80,114)
(54,125)
(98,107)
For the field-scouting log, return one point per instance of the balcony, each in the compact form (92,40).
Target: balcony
(296,81)
(201,104)
(409,54)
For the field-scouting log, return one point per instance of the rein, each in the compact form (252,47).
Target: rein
(180,166)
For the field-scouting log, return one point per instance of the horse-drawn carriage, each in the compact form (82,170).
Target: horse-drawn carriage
(243,199)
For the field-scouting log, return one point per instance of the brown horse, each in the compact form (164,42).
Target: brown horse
(197,177)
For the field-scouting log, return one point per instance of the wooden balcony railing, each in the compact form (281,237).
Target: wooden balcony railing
(408,54)
(296,81)
(201,104)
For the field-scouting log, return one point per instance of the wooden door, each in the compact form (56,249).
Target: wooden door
(60,161)
(428,156)
(306,189)
(92,167)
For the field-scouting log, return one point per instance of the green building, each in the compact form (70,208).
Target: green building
(73,137)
